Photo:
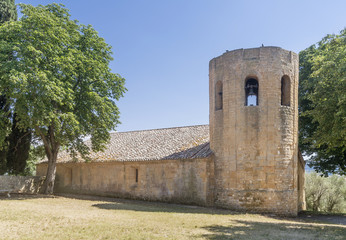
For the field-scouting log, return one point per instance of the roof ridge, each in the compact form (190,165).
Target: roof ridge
(200,150)
(145,130)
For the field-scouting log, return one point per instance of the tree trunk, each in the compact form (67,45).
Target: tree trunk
(50,177)
(3,161)
(51,147)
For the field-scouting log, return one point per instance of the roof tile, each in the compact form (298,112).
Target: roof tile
(157,144)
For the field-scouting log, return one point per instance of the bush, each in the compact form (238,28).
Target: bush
(327,194)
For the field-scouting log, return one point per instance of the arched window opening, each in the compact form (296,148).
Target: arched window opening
(285,91)
(251,92)
(218,95)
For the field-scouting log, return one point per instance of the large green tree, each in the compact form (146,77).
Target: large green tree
(59,84)
(8,12)
(15,152)
(322,104)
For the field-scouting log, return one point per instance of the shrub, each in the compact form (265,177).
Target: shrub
(327,194)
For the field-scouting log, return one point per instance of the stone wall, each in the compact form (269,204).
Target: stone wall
(179,181)
(255,147)
(21,184)
(301,183)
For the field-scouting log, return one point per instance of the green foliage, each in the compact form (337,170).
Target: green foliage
(322,104)
(8,11)
(59,81)
(35,155)
(326,194)
(18,149)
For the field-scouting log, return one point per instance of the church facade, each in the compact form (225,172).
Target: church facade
(246,159)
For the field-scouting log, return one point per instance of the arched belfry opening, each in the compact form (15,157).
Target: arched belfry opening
(251,92)
(218,95)
(285,90)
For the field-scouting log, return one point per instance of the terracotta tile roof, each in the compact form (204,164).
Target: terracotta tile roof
(157,144)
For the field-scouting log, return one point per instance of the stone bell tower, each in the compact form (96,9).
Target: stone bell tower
(253,96)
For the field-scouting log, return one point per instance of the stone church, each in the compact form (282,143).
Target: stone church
(246,159)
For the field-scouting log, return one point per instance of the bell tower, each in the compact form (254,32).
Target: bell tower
(253,95)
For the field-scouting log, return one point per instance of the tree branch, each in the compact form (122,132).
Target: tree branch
(45,143)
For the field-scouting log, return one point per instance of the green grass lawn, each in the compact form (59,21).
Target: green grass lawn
(40,217)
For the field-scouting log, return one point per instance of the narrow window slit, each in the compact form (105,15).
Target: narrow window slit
(285,91)
(218,95)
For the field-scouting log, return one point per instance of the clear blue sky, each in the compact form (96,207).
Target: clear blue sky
(163,47)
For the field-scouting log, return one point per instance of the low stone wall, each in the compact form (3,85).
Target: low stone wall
(21,184)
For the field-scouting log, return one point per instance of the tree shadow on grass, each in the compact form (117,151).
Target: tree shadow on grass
(334,218)
(110,203)
(272,227)
(140,206)
(24,196)
(239,229)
